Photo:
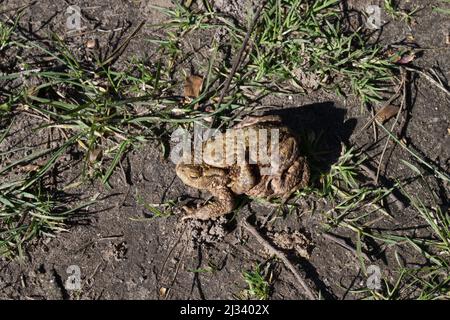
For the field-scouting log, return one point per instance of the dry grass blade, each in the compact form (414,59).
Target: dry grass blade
(438,84)
(389,102)
(391,196)
(240,53)
(389,113)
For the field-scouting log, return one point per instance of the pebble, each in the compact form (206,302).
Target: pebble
(91,43)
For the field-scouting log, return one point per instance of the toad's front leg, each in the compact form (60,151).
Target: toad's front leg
(222,204)
(212,179)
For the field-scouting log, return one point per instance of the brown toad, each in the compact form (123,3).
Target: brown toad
(262,159)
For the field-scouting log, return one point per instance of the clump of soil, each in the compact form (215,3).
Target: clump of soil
(206,232)
(292,240)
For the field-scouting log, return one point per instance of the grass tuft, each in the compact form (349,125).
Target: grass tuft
(258,286)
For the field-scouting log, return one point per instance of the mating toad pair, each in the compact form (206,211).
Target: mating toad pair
(226,181)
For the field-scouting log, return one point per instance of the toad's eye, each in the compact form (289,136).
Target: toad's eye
(194,174)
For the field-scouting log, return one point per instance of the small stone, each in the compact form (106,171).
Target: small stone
(91,43)
(162,292)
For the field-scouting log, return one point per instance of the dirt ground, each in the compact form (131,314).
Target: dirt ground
(122,253)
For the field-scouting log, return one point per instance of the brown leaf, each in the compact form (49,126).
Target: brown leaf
(91,43)
(410,38)
(162,292)
(95,155)
(406,59)
(32,167)
(386,113)
(193,86)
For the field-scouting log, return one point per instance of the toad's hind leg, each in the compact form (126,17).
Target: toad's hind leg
(222,204)
(294,178)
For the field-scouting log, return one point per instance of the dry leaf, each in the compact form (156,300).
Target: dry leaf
(406,59)
(162,292)
(192,87)
(95,155)
(401,58)
(91,43)
(386,113)
(32,167)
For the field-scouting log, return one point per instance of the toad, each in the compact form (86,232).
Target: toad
(259,157)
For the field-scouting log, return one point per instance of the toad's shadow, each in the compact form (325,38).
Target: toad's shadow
(322,128)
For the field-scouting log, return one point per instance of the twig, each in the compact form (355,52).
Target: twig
(282,256)
(438,173)
(345,245)
(122,47)
(176,273)
(269,216)
(392,196)
(109,30)
(171,250)
(344,194)
(91,277)
(238,58)
(113,237)
(160,274)
(374,127)
(430,79)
